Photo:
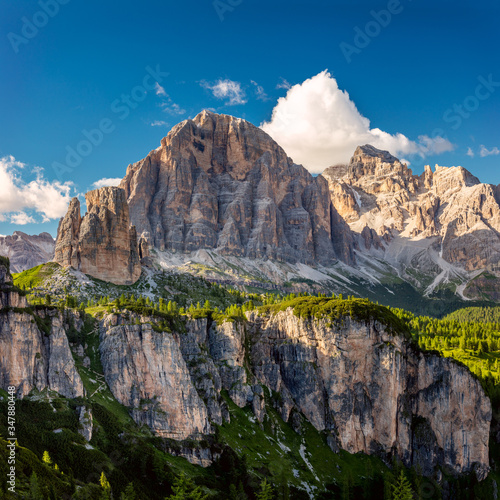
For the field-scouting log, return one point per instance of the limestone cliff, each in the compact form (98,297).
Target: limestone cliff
(219,182)
(32,356)
(102,243)
(374,391)
(368,388)
(358,379)
(146,372)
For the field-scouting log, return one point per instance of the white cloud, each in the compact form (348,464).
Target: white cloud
(284,84)
(226,89)
(106,181)
(159,89)
(318,125)
(159,123)
(48,198)
(171,107)
(21,219)
(470,152)
(483,151)
(260,92)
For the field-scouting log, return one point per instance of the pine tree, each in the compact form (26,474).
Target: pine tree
(105,486)
(185,489)
(46,458)
(129,493)
(402,489)
(35,491)
(266,491)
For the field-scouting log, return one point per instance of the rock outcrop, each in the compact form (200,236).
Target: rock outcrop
(34,348)
(445,220)
(218,182)
(102,243)
(360,382)
(26,251)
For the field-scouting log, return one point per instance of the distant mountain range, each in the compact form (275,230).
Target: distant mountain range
(27,251)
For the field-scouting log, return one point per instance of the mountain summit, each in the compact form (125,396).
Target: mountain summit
(219,182)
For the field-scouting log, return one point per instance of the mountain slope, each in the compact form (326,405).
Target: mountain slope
(26,251)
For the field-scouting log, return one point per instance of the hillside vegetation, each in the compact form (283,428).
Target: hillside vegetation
(128,462)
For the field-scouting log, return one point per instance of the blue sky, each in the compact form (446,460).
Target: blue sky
(427,71)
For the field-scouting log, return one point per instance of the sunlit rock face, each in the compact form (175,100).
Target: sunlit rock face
(29,357)
(219,182)
(102,243)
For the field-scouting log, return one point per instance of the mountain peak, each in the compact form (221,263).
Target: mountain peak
(372,152)
(219,182)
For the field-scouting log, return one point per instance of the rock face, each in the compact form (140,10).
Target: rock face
(102,243)
(368,389)
(26,251)
(219,182)
(29,357)
(444,222)
(372,388)
(146,372)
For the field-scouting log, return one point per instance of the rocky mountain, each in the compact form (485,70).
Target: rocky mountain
(218,182)
(102,243)
(221,185)
(439,228)
(26,251)
(219,195)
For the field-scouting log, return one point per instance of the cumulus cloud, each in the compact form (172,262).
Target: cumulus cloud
(159,89)
(106,181)
(48,198)
(21,219)
(260,92)
(318,125)
(226,89)
(470,152)
(483,151)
